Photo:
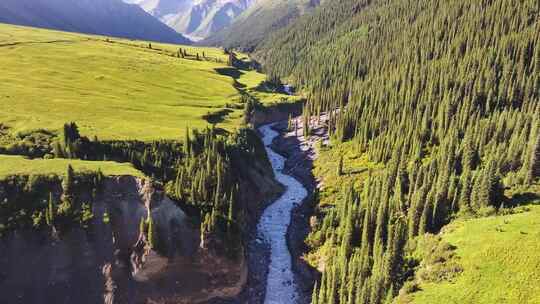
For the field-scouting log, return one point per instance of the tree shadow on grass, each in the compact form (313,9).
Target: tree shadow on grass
(234,73)
(218,116)
(231,72)
(526,198)
(268,87)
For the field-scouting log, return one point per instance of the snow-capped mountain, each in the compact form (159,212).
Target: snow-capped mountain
(195,19)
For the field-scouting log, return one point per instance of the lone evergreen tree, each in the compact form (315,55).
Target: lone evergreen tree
(340,166)
(49,214)
(67,183)
(533,164)
(152,233)
(142,227)
(306,126)
(187,143)
(230,215)
(290,123)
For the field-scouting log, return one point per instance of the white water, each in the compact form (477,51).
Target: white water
(280,286)
(288,89)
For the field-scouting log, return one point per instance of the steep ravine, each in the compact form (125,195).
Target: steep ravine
(277,272)
(300,153)
(110,263)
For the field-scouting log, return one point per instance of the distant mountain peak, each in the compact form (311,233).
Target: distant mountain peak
(196,19)
(100,17)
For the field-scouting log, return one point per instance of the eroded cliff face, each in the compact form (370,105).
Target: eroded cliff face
(98,264)
(273,114)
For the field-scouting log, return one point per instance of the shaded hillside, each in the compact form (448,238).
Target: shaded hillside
(101,17)
(258,21)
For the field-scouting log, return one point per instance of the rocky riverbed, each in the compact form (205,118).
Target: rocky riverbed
(281,286)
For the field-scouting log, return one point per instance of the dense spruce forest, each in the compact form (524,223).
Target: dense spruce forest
(444,94)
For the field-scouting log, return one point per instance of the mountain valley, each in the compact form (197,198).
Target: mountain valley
(270,152)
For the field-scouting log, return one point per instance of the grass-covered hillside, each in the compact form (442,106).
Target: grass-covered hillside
(17,165)
(499,260)
(115,89)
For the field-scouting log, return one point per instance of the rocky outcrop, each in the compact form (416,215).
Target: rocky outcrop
(98,264)
(196,19)
(279,112)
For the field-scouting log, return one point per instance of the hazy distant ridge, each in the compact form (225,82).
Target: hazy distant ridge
(102,17)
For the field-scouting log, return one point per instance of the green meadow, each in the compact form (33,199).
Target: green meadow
(18,165)
(500,260)
(114,88)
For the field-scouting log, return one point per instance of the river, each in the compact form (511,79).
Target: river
(281,287)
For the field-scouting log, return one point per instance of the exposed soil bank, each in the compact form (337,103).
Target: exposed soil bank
(97,265)
(276,113)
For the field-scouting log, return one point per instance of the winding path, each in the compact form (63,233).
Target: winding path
(280,287)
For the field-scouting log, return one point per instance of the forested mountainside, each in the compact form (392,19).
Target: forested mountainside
(440,102)
(196,19)
(100,17)
(258,21)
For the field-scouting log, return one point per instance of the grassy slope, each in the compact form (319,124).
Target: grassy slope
(501,261)
(120,90)
(17,165)
(356,169)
